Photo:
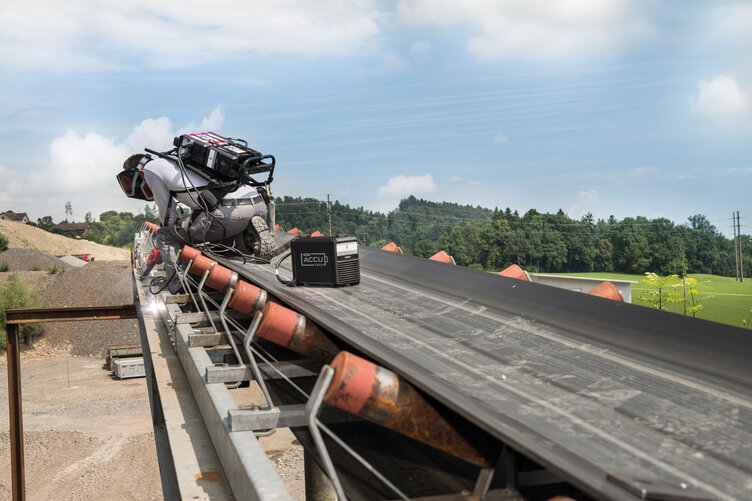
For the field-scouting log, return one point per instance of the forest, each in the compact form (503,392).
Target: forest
(491,240)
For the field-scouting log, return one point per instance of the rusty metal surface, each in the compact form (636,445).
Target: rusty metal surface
(583,385)
(18,482)
(70,313)
(294,331)
(382,397)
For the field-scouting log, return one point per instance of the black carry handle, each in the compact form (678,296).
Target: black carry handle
(264,163)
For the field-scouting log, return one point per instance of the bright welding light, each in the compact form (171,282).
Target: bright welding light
(151,307)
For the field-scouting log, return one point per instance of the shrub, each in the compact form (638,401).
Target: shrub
(14,294)
(4,266)
(3,243)
(55,269)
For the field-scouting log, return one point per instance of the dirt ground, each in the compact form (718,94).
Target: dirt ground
(29,237)
(90,440)
(93,439)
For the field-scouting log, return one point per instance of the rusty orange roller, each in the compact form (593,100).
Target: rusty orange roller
(247,298)
(188,253)
(277,228)
(220,278)
(201,265)
(294,231)
(607,290)
(288,328)
(317,233)
(379,395)
(514,271)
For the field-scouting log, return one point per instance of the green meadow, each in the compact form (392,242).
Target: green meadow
(731,303)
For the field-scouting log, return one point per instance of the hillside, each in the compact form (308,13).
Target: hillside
(29,237)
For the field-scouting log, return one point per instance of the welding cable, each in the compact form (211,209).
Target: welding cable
(196,200)
(289,283)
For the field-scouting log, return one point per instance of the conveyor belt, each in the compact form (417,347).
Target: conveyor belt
(585,386)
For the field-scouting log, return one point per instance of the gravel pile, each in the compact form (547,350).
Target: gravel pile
(31,260)
(97,283)
(74,261)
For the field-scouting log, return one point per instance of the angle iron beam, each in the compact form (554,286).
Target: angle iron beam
(72,313)
(304,368)
(247,468)
(283,416)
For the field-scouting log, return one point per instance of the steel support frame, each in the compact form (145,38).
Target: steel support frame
(247,468)
(15,317)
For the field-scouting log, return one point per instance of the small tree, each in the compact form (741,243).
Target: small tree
(690,287)
(46,223)
(87,217)
(14,294)
(68,211)
(661,292)
(747,322)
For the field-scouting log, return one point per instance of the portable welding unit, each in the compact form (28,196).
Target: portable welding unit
(330,261)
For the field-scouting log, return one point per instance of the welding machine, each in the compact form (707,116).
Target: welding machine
(330,261)
(230,158)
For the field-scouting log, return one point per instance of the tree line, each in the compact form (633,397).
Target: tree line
(491,240)
(494,239)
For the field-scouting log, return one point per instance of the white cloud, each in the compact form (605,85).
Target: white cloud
(588,196)
(547,30)
(500,139)
(455,179)
(90,35)
(212,123)
(82,168)
(391,62)
(733,171)
(400,186)
(719,96)
(584,199)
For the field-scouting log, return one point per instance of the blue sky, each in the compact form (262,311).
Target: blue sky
(609,106)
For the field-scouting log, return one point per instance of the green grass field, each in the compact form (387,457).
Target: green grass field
(730,305)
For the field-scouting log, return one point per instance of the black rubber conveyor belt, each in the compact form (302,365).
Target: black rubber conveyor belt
(583,385)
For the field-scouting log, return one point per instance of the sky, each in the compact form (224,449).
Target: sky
(612,107)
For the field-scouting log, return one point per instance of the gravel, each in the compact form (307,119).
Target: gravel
(31,260)
(97,283)
(73,261)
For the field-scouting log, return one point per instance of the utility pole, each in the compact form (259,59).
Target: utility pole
(741,247)
(329,213)
(736,247)
(364,236)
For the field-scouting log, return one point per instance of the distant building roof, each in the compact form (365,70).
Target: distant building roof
(15,216)
(72,226)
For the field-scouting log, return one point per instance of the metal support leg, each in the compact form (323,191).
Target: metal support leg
(318,487)
(200,295)
(184,281)
(509,458)
(252,360)
(222,318)
(312,410)
(483,483)
(16,416)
